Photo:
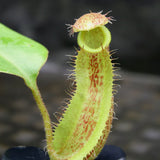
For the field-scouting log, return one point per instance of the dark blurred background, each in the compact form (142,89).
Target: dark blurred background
(136,35)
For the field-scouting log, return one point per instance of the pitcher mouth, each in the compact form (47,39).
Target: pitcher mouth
(94,40)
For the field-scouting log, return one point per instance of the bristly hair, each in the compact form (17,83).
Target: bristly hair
(70,29)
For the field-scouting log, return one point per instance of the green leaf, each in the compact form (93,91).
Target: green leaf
(21,56)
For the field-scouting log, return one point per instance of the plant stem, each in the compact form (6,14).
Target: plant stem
(45,116)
